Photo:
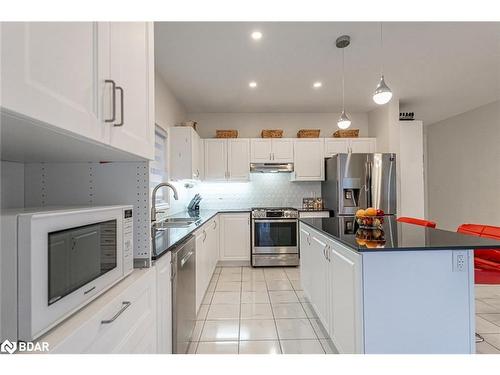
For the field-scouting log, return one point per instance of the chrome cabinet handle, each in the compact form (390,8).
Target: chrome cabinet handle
(125,306)
(122,117)
(204,235)
(215,224)
(113,95)
(309,238)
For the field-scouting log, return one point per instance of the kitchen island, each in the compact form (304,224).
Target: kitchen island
(399,289)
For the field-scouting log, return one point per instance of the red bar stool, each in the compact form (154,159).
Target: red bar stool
(421,222)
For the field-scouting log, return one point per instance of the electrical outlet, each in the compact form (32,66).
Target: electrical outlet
(459,261)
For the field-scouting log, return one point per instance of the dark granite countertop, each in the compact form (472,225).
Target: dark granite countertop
(167,239)
(395,236)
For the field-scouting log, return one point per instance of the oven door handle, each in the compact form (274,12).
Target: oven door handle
(274,220)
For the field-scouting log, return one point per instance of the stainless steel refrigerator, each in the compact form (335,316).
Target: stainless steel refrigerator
(354,181)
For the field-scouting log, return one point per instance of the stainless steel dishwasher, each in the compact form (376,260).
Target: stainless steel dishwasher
(183,295)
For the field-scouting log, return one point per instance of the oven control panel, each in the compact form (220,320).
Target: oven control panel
(263,213)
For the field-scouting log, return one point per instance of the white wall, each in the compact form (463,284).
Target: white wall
(168,110)
(12,185)
(463,168)
(249,125)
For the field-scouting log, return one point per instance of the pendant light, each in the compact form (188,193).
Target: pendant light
(383,93)
(344,121)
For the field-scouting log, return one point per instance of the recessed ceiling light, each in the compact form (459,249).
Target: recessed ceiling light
(252,84)
(317,85)
(256,35)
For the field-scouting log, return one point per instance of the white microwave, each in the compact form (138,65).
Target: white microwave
(56,260)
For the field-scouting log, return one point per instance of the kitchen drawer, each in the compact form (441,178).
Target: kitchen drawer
(133,331)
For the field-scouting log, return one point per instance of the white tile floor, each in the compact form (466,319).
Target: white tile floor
(488,318)
(257,311)
(263,311)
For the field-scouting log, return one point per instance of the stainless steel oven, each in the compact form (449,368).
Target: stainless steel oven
(275,237)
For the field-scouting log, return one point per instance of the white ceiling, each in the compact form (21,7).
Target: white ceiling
(436,69)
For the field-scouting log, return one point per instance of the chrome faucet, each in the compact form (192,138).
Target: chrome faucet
(153,197)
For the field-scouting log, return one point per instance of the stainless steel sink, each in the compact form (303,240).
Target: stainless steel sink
(175,222)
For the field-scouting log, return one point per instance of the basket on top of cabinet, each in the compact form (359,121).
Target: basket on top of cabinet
(226,133)
(272,133)
(308,133)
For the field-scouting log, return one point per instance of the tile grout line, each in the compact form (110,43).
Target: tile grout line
(209,306)
(239,315)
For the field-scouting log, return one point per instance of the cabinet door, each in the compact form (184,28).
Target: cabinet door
(260,150)
(215,159)
(54,72)
(362,145)
(238,159)
(346,305)
(306,261)
(201,266)
(164,304)
(320,280)
(235,237)
(132,67)
(282,151)
(336,146)
(309,163)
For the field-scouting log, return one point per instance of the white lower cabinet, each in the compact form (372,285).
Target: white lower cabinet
(123,320)
(164,303)
(234,237)
(332,281)
(207,254)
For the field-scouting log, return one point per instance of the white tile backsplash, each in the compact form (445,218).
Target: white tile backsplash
(263,189)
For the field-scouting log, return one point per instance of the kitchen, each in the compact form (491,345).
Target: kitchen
(217,206)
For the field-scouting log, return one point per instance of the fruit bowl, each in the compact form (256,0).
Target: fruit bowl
(370,222)
(370,218)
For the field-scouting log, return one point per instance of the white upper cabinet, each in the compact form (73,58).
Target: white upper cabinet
(363,145)
(282,150)
(215,159)
(94,80)
(271,150)
(238,159)
(345,145)
(309,163)
(54,72)
(261,150)
(227,159)
(336,146)
(185,153)
(132,68)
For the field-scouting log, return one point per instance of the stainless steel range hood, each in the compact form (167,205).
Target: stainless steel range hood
(271,167)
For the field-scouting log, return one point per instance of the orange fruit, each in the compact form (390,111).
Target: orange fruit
(370,211)
(360,213)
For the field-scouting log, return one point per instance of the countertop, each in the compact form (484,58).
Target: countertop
(395,236)
(167,239)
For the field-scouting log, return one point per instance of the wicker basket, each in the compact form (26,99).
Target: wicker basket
(191,124)
(308,133)
(350,133)
(226,133)
(271,133)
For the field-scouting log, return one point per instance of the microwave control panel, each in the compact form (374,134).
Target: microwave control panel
(128,241)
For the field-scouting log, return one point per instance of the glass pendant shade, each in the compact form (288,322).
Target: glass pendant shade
(344,121)
(383,93)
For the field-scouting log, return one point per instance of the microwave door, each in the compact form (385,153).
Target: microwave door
(85,255)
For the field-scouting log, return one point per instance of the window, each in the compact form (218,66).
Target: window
(159,167)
